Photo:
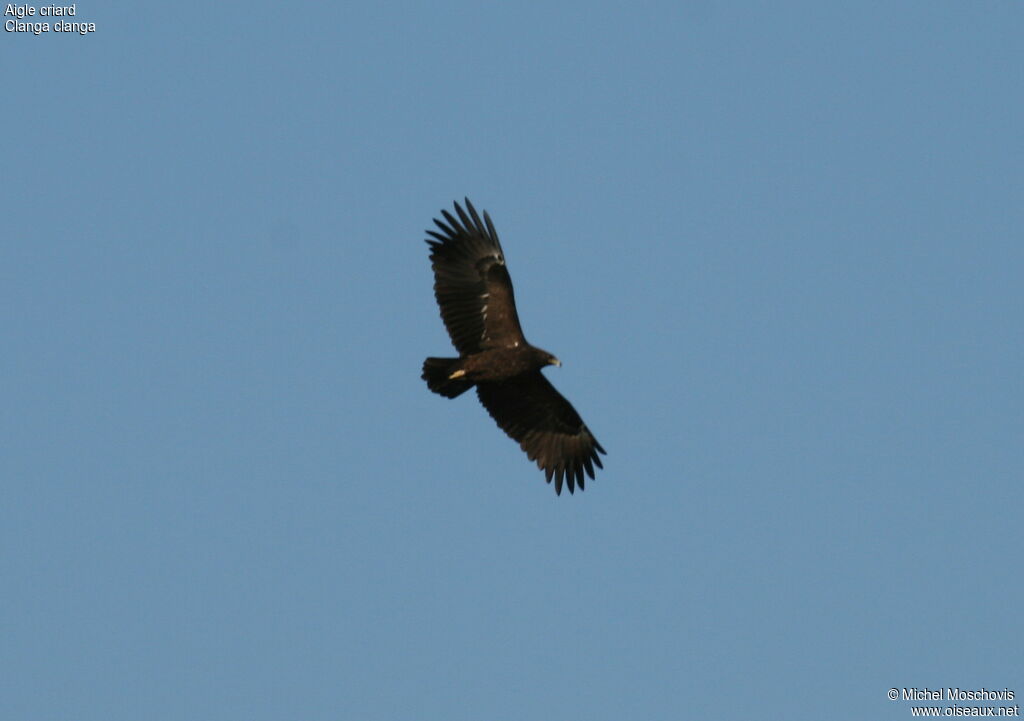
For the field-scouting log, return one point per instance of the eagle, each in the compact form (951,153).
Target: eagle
(474,292)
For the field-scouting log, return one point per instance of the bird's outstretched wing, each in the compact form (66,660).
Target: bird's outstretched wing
(547,427)
(471,283)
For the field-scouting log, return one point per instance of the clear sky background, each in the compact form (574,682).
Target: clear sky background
(777,247)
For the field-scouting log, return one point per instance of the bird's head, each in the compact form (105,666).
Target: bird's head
(542,358)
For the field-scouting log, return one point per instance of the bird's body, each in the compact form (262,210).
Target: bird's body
(474,292)
(498,364)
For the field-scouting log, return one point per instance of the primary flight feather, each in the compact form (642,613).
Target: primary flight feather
(474,292)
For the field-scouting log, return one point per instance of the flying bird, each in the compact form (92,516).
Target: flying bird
(474,292)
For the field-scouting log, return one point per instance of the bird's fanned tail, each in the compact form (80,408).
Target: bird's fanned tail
(436,372)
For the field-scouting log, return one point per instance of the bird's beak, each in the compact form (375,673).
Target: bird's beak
(555,362)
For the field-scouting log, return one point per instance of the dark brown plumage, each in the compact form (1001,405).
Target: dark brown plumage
(474,292)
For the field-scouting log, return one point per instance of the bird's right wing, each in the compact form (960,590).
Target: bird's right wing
(472,284)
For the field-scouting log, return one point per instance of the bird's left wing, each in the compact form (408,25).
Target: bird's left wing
(547,427)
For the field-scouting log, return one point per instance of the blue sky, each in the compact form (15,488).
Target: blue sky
(777,247)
